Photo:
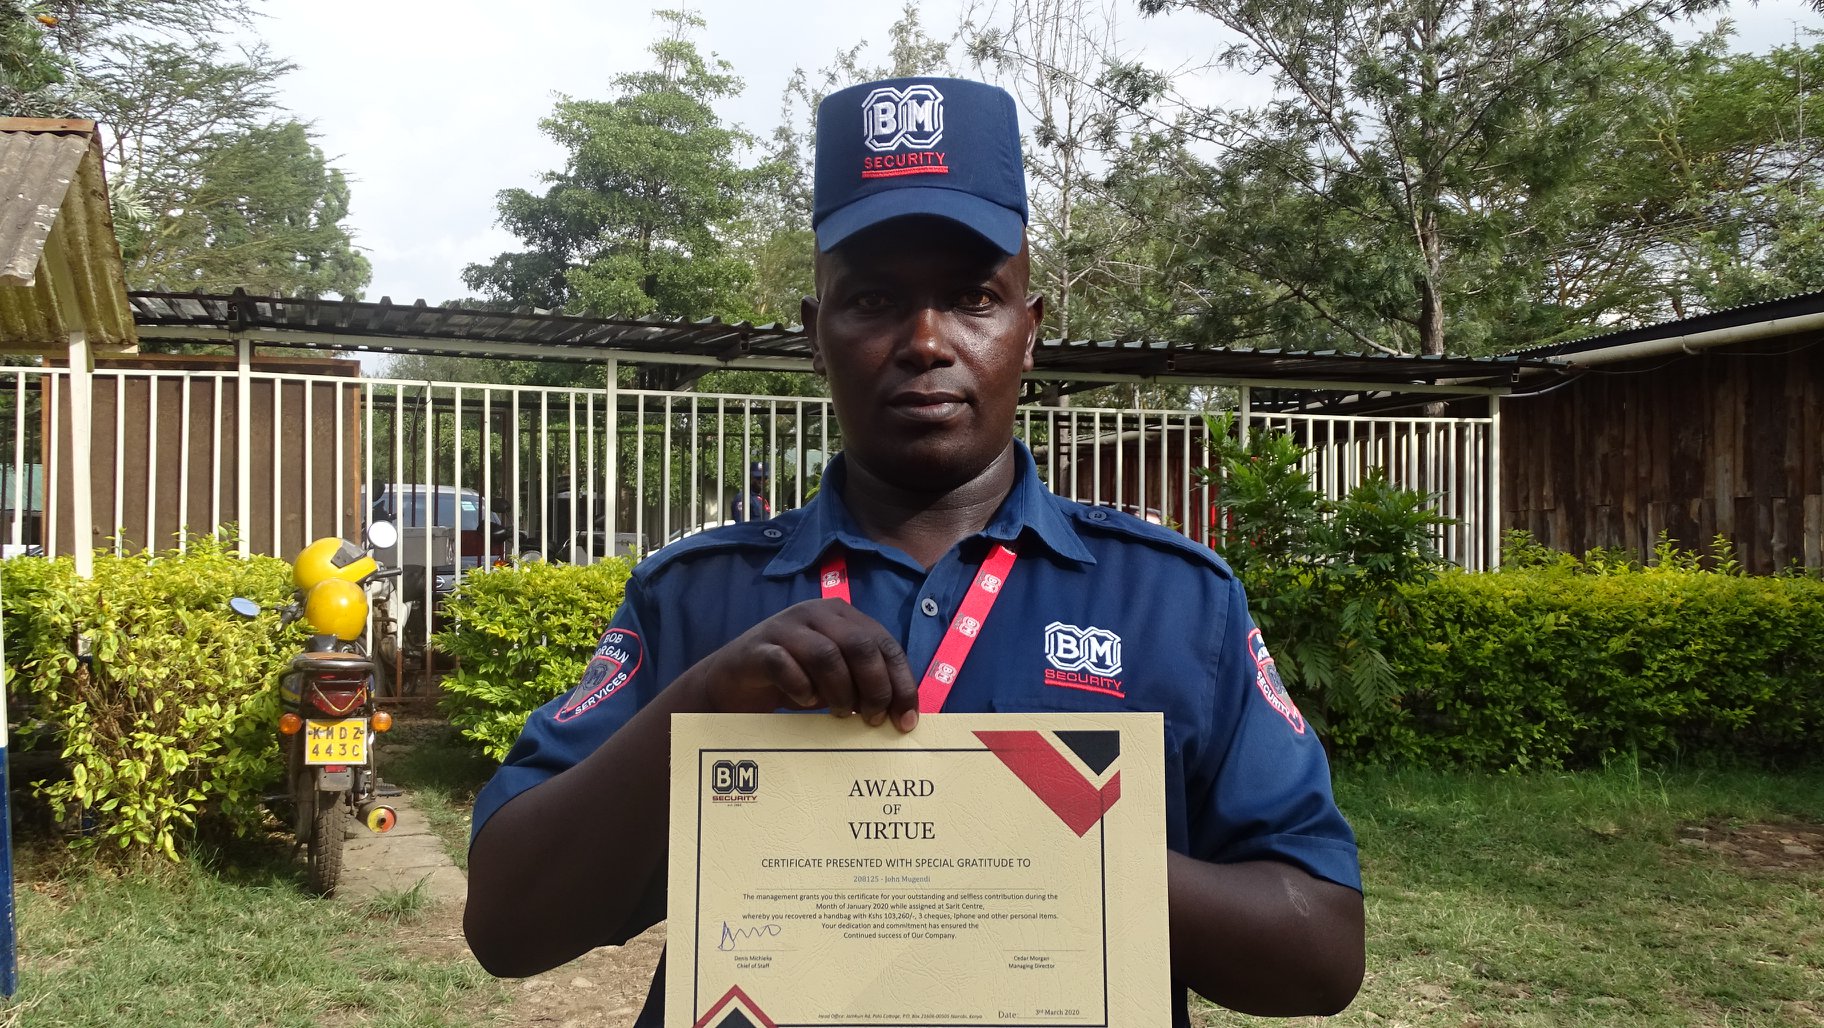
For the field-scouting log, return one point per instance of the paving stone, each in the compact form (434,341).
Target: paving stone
(375,865)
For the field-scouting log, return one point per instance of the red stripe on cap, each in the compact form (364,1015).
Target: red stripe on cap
(927,169)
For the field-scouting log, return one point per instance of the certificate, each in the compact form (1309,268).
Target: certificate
(982,870)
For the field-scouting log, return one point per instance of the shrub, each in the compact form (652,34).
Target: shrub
(158,699)
(1324,577)
(1561,661)
(522,635)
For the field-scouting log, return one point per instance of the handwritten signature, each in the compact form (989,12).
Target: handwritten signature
(730,936)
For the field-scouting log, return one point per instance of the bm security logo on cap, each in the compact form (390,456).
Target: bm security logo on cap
(912,119)
(933,147)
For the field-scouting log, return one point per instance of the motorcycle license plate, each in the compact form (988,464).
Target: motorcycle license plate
(336,742)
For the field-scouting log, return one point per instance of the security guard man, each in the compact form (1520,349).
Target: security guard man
(922,325)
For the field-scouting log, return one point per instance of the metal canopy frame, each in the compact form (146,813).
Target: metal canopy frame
(387,328)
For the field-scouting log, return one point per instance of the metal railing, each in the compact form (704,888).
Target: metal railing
(574,474)
(1448,459)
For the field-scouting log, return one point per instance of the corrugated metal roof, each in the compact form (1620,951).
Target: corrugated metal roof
(1730,317)
(390,328)
(60,265)
(38,169)
(1152,357)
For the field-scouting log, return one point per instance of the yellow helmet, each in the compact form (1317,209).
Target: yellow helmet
(336,607)
(329,558)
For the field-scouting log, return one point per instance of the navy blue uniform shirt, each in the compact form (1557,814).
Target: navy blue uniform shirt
(1103,611)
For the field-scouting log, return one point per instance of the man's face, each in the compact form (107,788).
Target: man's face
(922,329)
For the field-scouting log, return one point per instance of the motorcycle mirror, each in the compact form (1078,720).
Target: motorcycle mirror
(245,607)
(381,535)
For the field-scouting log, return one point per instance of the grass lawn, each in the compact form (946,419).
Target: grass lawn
(1598,898)
(1617,898)
(230,941)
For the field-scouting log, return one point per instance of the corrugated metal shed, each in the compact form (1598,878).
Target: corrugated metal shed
(537,335)
(60,264)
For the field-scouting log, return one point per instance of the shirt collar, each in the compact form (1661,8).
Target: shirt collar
(1029,509)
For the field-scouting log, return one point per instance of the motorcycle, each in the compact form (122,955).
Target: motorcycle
(329,719)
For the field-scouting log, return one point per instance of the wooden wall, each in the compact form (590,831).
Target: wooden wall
(143,442)
(1727,441)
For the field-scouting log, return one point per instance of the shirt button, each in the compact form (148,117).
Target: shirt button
(929,606)
(1098,515)
(772,533)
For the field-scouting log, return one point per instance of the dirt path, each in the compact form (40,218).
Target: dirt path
(603,988)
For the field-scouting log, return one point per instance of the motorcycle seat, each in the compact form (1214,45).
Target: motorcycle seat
(331,660)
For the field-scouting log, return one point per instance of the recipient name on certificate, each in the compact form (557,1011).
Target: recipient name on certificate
(982,870)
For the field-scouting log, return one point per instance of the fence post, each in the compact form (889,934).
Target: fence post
(611,467)
(1494,483)
(82,413)
(243,442)
(9,939)
(1247,412)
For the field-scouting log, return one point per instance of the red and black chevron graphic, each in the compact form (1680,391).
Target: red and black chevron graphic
(1035,758)
(735,1010)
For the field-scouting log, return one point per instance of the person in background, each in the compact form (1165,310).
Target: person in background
(752,505)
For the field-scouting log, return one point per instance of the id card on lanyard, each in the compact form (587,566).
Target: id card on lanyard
(959,637)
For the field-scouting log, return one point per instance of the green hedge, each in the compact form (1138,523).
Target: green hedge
(522,635)
(1557,663)
(1574,663)
(172,717)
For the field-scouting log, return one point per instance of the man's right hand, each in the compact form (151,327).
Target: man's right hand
(607,818)
(814,654)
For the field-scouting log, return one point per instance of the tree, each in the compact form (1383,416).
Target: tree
(261,210)
(31,71)
(212,187)
(1059,58)
(1394,190)
(1709,195)
(637,221)
(47,47)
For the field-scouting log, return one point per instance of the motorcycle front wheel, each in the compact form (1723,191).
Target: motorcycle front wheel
(323,849)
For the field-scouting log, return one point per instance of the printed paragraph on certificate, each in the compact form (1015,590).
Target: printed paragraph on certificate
(981,870)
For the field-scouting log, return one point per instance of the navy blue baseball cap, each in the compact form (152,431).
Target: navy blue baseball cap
(943,147)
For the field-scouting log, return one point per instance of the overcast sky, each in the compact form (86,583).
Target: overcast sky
(431,106)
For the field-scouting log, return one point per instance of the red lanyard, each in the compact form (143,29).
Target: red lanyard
(947,662)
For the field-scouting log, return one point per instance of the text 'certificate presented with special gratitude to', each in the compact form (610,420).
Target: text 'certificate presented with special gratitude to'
(982,870)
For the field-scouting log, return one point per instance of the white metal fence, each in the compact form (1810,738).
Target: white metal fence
(477,472)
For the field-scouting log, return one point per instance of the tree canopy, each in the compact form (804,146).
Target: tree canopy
(1423,176)
(1407,179)
(213,185)
(635,222)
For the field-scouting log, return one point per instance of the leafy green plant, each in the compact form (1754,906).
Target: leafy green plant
(1581,661)
(1324,577)
(158,700)
(522,635)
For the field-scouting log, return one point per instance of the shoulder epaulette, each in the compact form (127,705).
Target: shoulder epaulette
(1109,520)
(744,535)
